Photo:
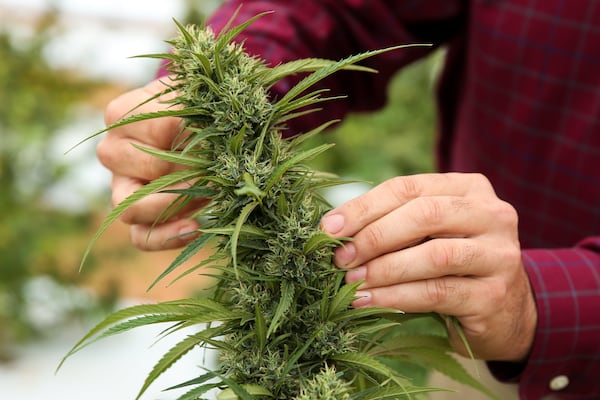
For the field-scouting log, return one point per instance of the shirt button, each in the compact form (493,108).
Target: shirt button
(559,382)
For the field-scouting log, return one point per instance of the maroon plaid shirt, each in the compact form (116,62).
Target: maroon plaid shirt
(520,102)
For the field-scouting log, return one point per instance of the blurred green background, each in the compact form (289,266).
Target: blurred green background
(36,101)
(46,107)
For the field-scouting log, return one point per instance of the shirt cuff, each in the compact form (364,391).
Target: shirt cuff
(565,357)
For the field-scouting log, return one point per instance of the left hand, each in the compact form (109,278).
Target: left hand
(441,243)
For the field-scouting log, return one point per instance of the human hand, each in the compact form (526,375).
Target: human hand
(132,168)
(441,243)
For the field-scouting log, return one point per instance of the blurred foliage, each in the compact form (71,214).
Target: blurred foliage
(36,101)
(396,140)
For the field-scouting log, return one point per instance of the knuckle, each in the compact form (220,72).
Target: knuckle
(479,179)
(505,213)
(479,183)
(454,257)
(383,272)
(360,207)
(372,237)
(429,211)
(138,237)
(129,215)
(437,291)
(403,188)
(104,152)
(113,111)
(442,255)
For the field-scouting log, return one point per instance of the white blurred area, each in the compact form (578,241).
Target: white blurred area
(96,38)
(113,368)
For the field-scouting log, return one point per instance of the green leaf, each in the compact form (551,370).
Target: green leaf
(195,393)
(246,229)
(325,72)
(152,187)
(260,327)
(364,362)
(190,250)
(318,241)
(204,62)
(285,301)
(298,140)
(176,157)
(236,391)
(252,390)
(449,366)
(358,313)
(174,354)
(207,262)
(293,359)
(235,144)
(284,167)
(342,299)
(304,65)
(371,328)
(283,113)
(244,214)
(394,393)
(402,343)
(187,112)
(250,188)
(227,35)
(282,205)
(141,321)
(404,317)
(218,67)
(455,323)
(195,381)
(190,40)
(212,85)
(170,311)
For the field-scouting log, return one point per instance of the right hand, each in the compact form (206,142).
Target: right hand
(131,169)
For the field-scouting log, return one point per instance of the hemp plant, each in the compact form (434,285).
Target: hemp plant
(279,314)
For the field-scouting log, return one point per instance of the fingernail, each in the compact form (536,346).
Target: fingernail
(333,223)
(363,299)
(345,254)
(356,274)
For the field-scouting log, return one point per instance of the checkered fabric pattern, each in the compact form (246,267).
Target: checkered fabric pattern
(519,101)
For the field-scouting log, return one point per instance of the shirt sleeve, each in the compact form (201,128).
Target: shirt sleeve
(337,29)
(565,359)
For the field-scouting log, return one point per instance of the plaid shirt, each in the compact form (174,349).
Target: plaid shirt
(519,101)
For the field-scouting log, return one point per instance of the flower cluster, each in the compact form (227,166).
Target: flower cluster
(279,313)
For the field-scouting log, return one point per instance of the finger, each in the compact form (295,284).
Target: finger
(432,259)
(352,216)
(121,157)
(140,100)
(448,295)
(170,235)
(115,150)
(150,208)
(414,222)
(151,131)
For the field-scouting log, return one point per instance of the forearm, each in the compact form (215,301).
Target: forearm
(566,283)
